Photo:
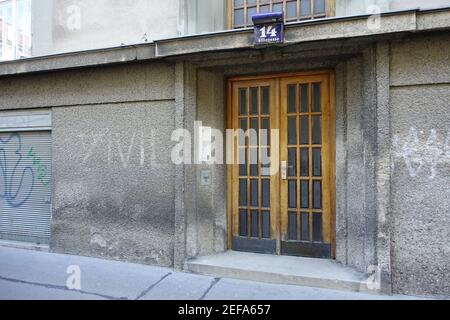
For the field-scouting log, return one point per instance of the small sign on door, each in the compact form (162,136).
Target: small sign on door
(205,177)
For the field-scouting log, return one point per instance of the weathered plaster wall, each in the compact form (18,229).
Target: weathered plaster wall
(211,199)
(420,96)
(383,166)
(130,82)
(113,179)
(355,191)
(186,176)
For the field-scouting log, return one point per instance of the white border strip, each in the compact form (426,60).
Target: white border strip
(25,120)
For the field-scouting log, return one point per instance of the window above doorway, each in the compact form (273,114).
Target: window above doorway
(241,11)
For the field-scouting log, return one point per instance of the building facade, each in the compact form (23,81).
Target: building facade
(15,29)
(103,152)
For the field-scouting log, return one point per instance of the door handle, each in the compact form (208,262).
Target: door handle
(284,170)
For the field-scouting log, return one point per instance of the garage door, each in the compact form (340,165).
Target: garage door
(25,186)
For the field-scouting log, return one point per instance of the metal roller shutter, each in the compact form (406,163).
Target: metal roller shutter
(25,186)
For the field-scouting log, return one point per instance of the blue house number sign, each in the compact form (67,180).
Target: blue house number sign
(270,33)
(269,28)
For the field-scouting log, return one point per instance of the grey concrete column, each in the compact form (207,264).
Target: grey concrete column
(341,165)
(383,165)
(369,129)
(355,217)
(185,115)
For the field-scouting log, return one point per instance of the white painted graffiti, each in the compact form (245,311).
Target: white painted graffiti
(118,146)
(421,152)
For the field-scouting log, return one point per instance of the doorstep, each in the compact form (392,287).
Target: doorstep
(319,273)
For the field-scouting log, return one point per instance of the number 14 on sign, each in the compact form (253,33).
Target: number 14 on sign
(270,31)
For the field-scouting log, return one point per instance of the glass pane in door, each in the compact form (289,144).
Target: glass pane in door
(305,210)
(254,211)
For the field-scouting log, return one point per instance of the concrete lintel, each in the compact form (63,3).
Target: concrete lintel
(328,29)
(433,20)
(334,49)
(75,60)
(303,32)
(365,26)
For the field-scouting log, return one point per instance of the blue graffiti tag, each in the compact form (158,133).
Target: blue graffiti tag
(15,194)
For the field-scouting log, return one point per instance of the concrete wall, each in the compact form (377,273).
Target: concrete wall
(210,226)
(420,95)
(117,195)
(131,82)
(113,179)
(355,191)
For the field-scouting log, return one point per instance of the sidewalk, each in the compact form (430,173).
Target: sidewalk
(26,274)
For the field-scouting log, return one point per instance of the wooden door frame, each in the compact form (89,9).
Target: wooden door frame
(332,145)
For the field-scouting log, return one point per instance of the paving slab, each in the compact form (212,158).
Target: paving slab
(109,278)
(233,289)
(183,286)
(11,290)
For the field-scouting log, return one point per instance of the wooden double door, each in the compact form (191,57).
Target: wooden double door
(281,184)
